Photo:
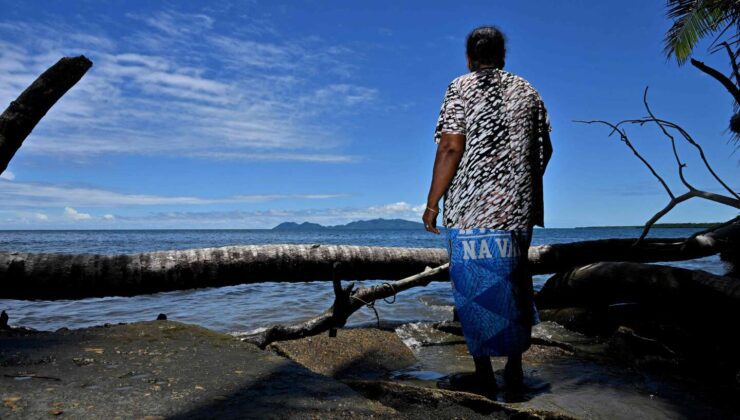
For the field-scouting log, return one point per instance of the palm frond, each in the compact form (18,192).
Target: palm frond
(693,20)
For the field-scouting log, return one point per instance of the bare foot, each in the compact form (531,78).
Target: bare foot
(470,382)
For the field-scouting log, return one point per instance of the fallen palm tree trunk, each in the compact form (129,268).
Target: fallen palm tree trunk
(607,283)
(65,276)
(554,258)
(346,302)
(19,119)
(62,276)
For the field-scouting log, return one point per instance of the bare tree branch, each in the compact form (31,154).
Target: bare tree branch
(683,197)
(681,165)
(724,80)
(627,141)
(693,192)
(690,140)
(733,62)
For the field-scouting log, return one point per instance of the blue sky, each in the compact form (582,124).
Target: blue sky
(246,114)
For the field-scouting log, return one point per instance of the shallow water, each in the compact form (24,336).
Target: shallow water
(583,387)
(247,307)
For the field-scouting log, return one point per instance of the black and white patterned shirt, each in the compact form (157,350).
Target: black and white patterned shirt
(498,183)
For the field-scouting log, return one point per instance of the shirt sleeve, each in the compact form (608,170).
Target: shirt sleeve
(542,131)
(452,115)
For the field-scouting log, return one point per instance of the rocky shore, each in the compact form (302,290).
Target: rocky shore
(165,369)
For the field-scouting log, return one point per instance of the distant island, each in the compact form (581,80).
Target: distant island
(704,225)
(374,224)
(401,224)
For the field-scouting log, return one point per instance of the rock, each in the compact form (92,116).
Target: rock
(4,321)
(353,353)
(162,317)
(628,345)
(414,401)
(152,369)
(590,321)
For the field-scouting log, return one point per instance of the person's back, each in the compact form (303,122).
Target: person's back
(498,183)
(493,147)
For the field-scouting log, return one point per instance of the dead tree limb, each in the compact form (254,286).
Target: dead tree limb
(663,124)
(716,74)
(626,141)
(693,192)
(346,302)
(717,198)
(680,164)
(733,61)
(22,115)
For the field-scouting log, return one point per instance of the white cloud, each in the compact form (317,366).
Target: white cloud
(301,157)
(21,194)
(7,175)
(258,219)
(177,87)
(270,218)
(341,95)
(75,215)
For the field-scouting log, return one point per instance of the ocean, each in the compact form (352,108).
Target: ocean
(244,308)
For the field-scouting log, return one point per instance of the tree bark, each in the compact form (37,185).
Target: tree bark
(606,283)
(19,119)
(65,276)
(554,258)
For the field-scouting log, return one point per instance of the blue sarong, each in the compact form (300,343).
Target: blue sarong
(492,289)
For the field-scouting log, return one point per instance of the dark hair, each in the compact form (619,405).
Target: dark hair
(486,46)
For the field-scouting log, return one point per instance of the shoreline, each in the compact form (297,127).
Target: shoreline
(168,369)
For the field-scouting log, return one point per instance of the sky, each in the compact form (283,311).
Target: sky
(245,114)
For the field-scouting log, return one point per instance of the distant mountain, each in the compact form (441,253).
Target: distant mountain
(296,226)
(379,224)
(375,224)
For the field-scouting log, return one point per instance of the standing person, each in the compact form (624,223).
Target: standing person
(493,146)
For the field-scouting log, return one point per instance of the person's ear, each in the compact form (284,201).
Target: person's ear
(470,65)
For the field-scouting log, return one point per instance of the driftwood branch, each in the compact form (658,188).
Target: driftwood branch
(346,303)
(19,119)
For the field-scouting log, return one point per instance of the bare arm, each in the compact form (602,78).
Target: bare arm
(449,153)
(546,150)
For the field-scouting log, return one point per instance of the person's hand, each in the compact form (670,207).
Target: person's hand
(430,220)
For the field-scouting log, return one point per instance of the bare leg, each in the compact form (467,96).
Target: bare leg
(481,382)
(513,373)
(483,368)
